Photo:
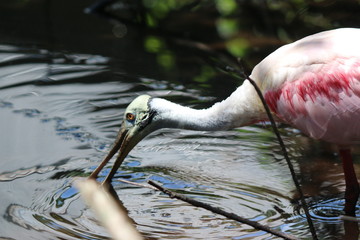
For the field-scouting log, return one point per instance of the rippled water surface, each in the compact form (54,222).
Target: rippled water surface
(61,104)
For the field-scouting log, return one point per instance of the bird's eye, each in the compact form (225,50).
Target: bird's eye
(130,117)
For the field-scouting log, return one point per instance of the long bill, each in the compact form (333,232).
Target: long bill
(116,146)
(125,147)
(124,143)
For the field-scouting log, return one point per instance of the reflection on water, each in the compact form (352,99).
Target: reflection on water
(58,125)
(60,111)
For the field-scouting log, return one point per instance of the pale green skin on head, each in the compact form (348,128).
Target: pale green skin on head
(139,103)
(139,107)
(142,122)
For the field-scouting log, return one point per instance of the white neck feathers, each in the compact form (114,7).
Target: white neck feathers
(240,108)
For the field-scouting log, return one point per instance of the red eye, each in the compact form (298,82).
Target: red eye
(130,117)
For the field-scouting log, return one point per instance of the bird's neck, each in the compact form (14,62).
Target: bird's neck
(240,108)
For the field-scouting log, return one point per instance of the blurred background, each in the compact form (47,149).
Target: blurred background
(69,68)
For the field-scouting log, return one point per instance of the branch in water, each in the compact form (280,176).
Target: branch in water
(217,210)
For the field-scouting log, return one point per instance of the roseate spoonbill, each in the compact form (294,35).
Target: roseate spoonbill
(312,84)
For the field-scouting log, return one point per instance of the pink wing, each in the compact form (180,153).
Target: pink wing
(324,104)
(314,85)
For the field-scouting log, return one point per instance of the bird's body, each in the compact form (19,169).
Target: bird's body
(312,84)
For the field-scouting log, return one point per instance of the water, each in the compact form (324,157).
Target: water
(61,103)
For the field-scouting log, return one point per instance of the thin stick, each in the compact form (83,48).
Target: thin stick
(349,218)
(137,184)
(232,216)
(157,187)
(283,148)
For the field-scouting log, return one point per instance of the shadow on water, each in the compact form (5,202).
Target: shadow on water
(64,87)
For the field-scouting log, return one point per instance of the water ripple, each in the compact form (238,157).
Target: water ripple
(82,100)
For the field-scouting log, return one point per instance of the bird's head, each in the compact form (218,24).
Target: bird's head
(138,122)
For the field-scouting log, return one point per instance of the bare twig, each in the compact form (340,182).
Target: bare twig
(113,217)
(283,148)
(137,184)
(349,218)
(233,216)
